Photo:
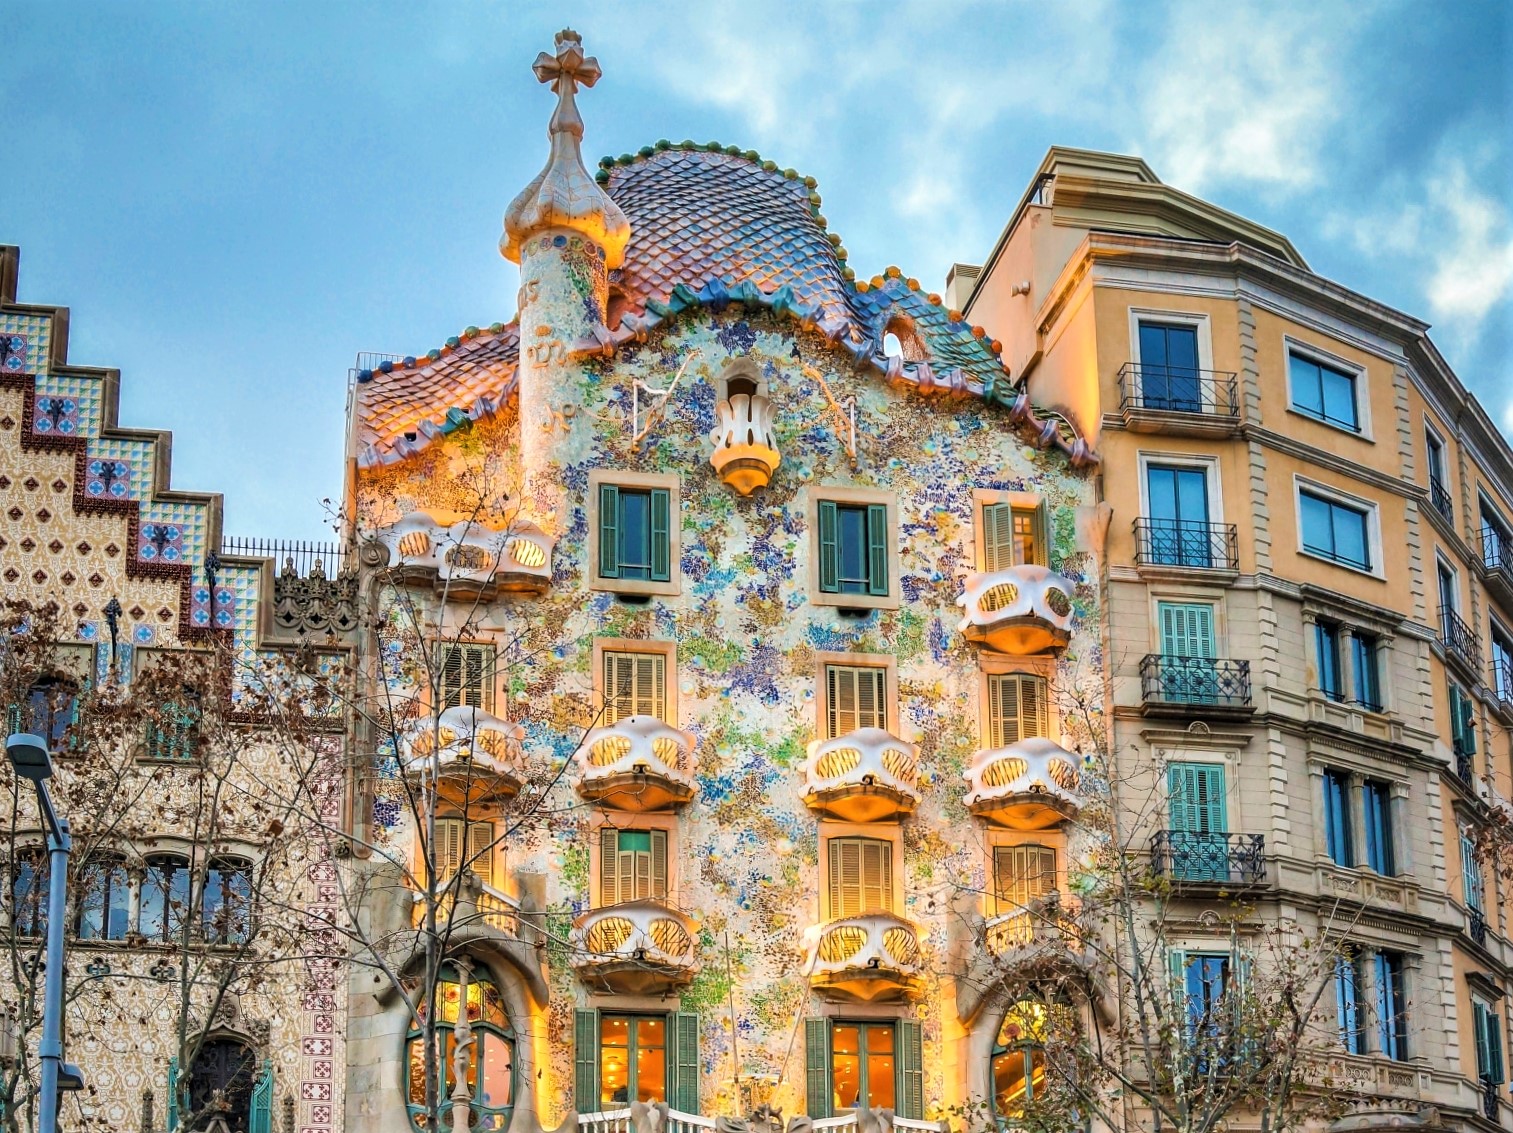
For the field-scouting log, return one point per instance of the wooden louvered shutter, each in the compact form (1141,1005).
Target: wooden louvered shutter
(609,531)
(446,853)
(997,537)
(841,701)
(173,1094)
(609,867)
(876,876)
(651,685)
(845,877)
(1187,630)
(586,1061)
(481,850)
(830,568)
(1494,1047)
(1017,708)
(1196,792)
(818,1091)
(909,1087)
(1022,875)
(877,549)
(661,535)
(870,694)
(658,890)
(683,1031)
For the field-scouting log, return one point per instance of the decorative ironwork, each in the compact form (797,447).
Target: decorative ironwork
(113,613)
(1476,926)
(1188,855)
(1197,682)
(1458,638)
(1502,683)
(1465,765)
(1178,389)
(1490,1100)
(1439,496)
(302,552)
(314,603)
(1186,543)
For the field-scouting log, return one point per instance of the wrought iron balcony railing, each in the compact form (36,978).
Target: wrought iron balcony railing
(1502,682)
(1216,857)
(1439,496)
(1177,389)
(1185,543)
(1194,682)
(1476,925)
(1458,638)
(1489,1101)
(1465,766)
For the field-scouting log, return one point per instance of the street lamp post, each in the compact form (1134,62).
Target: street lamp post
(29,756)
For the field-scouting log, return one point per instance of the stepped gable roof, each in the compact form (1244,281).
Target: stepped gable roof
(711,225)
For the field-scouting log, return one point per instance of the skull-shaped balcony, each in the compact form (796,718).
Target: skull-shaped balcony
(1029,785)
(635,948)
(466,751)
(637,764)
(867,775)
(871,958)
(1018,610)
(745,451)
(468,560)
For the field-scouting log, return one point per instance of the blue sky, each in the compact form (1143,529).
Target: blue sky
(234,198)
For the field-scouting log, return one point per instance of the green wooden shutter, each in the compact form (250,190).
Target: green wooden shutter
(909,1088)
(173,1094)
(661,535)
(609,531)
(997,537)
(586,1061)
(1494,1046)
(1479,1016)
(1196,794)
(261,1118)
(877,549)
(830,563)
(683,1026)
(609,866)
(1187,630)
(12,719)
(818,1090)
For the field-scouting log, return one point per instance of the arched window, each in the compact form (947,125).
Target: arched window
(491,1070)
(1019,1058)
(221,1085)
(165,897)
(105,900)
(227,912)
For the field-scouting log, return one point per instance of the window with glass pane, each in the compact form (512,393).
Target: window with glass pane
(635,533)
(105,903)
(1473,887)
(860,876)
(1022,875)
(490,1077)
(632,865)
(1019,1067)
(227,917)
(1011,536)
(1496,537)
(29,893)
(1364,649)
(1502,664)
(52,706)
(1376,806)
(165,898)
(1326,647)
(855,697)
(1347,1001)
(1169,376)
(221,1083)
(172,736)
(1334,531)
(635,684)
(1324,392)
(1337,828)
(632,1059)
(1392,1004)
(1206,979)
(1178,523)
(1449,593)
(862,1065)
(853,546)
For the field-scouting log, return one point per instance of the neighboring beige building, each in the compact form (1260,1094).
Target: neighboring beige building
(1309,594)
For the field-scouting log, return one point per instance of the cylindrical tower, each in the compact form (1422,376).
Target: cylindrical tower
(566,234)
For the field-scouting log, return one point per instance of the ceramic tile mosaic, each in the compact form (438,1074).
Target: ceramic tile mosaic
(172,532)
(37,329)
(86,395)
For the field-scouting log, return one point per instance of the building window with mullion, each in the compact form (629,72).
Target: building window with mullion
(635,541)
(1376,806)
(1326,647)
(1392,1005)
(1335,531)
(853,548)
(1324,392)
(1337,826)
(1364,650)
(632,1059)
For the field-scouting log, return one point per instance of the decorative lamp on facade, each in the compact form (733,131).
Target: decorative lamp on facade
(745,449)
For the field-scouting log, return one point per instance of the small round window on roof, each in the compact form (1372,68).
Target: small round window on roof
(901,340)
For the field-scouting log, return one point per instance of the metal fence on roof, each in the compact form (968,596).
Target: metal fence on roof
(302,552)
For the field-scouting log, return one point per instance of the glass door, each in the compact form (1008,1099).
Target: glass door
(1178,499)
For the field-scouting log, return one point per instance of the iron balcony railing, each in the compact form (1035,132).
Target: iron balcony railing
(1502,682)
(302,552)
(1178,389)
(1185,543)
(1465,764)
(1489,1100)
(1458,638)
(1199,682)
(1476,925)
(1439,496)
(1495,552)
(1216,856)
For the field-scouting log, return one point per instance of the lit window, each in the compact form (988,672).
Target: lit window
(632,1060)
(1011,536)
(853,548)
(490,1076)
(862,1066)
(1019,1067)
(1324,392)
(1335,531)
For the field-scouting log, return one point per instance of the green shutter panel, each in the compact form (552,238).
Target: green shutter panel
(830,568)
(1468,723)
(586,1061)
(12,719)
(1479,1016)
(684,1027)
(910,1086)
(877,549)
(1494,1046)
(609,531)
(661,535)
(173,1094)
(997,537)
(817,1067)
(261,1118)
(1196,793)
(1187,630)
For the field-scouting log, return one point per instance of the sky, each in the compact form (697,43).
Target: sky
(236,198)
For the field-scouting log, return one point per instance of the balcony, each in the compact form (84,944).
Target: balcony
(1502,684)
(1460,640)
(745,451)
(871,958)
(653,1119)
(1491,1100)
(635,948)
(1439,496)
(864,776)
(1029,785)
(1180,544)
(637,764)
(1497,564)
(468,903)
(468,750)
(1045,935)
(467,560)
(1194,686)
(1019,610)
(1187,858)
(1177,400)
(1476,926)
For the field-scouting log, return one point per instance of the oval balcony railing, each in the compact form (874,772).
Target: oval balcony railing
(745,450)
(1021,609)
(873,957)
(469,748)
(638,763)
(468,559)
(470,903)
(635,948)
(1044,932)
(1028,785)
(864,776)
